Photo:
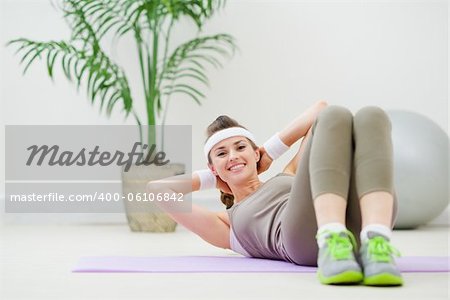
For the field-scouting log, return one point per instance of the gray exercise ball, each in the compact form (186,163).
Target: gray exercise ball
(420,168)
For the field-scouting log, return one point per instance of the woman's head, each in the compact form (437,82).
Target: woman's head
(231,152)
(216,138)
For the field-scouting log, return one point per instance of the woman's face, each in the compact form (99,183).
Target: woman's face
(234,159)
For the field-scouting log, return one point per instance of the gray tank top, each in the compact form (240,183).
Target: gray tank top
(256,220)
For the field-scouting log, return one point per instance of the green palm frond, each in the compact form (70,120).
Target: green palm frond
(196,10)
(106,82)
(91,20)
(148,11)
(83,61)
(185,69)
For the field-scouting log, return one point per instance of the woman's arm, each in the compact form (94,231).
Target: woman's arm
(303,121)
(288,136)
(300,126)
(291,167)
(206,224)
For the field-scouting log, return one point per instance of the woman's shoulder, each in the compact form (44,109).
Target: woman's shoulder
(284,174)
(279,178)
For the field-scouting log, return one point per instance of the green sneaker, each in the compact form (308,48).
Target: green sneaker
(336,260)
(379,266)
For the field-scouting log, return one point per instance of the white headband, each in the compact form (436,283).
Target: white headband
(224,134)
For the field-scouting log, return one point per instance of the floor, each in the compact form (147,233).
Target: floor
(36,263)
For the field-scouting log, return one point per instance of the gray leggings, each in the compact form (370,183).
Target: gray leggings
(346,155)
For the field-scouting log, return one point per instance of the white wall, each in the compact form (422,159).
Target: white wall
(393,54)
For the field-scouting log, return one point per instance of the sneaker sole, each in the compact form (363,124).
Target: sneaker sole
(384,279)
(347,277)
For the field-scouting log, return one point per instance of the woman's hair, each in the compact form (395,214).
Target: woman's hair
(224,122)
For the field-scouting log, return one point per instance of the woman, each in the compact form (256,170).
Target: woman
(339,185)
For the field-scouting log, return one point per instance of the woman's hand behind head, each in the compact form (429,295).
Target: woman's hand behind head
(223,186)
(264,161)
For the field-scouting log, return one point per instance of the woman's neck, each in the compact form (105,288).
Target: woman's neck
(242,191)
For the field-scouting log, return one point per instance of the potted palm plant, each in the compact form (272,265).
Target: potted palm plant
(165,70)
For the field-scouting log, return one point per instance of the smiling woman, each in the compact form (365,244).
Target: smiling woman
(341,177)
(231,150)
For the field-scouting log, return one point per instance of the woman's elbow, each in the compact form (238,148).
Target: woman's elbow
(322,104)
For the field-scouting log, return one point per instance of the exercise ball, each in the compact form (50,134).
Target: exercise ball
(421,151)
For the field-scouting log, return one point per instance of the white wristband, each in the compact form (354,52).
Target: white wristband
(275,147)
(207,179)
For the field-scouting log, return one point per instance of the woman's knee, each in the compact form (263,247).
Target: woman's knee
(371,115)
(334,114)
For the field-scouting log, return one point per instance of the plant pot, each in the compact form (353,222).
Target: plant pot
(143,215)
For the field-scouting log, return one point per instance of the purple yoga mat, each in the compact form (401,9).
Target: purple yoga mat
(227,264)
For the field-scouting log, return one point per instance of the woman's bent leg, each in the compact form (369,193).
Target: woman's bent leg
(324,168)
(374,192)
(372,172)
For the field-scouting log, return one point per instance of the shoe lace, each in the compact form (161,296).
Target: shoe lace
(381,250)
(340,245)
